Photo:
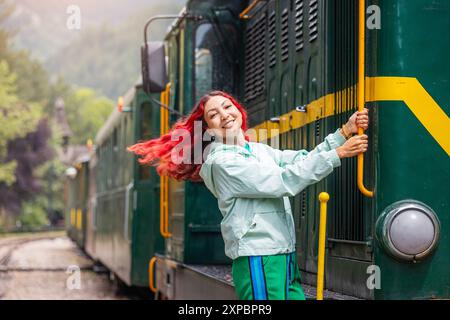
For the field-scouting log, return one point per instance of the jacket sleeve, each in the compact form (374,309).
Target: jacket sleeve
(245,177)
(284,157)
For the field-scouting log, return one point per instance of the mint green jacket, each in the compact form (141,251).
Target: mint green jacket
(252,189)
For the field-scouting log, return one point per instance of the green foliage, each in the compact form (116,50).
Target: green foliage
(7,172)
(32,80)
(16,120)
(33,216)
(51,199)
(86,112)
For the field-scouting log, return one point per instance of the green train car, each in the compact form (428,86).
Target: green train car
(300,67)
(296,66)
(76,190)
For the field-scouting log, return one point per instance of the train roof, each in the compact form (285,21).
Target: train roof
(115,116)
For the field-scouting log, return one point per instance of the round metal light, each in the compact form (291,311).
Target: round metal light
(71,172)
(408,230)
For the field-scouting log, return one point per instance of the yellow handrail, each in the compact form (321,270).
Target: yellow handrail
(164,180)
(151,281)
(243,14)
(167,178)
(161,191)
(361,91)
(323,198)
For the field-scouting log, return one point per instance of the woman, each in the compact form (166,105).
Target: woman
(252,183)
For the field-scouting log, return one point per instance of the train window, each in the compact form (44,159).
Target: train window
(115,138)
(213,63)
(145,134)
(146,121)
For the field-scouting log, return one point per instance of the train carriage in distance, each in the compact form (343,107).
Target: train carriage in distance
(300,68)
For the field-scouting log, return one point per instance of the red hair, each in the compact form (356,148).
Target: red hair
(158,152)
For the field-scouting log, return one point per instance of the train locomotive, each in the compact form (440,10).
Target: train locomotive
(300,67)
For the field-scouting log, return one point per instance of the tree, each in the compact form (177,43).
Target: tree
(29,152)
(86,112)
(16,120)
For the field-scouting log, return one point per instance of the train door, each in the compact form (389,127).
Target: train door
(144,223)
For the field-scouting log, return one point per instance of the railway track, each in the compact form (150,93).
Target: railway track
(9,245)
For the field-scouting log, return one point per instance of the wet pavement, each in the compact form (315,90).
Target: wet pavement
(52,268)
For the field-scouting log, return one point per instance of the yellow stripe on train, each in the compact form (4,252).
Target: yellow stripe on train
(409,90)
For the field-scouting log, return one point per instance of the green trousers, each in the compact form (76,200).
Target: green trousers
(274,277)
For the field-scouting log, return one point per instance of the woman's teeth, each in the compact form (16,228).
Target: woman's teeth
(228,124)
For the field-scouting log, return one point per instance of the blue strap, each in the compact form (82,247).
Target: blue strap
(257,277)
(288,274)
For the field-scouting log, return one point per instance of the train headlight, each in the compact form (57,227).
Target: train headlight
(408,230)
(71,172)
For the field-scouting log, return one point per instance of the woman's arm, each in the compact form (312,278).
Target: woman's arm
(237,176)
(284,157)
(332,141)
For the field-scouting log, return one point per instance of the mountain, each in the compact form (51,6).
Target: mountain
(105,53)
(41,26)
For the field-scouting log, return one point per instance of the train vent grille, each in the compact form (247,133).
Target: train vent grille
(284,35)
(255,49)
(298,25)
(313,20)
(303,203)
(317,129)
(272,42)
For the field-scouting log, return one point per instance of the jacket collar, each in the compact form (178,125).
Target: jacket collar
(219,146)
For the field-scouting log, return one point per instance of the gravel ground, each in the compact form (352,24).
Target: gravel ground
(41,270)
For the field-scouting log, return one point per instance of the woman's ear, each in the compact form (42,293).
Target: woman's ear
(209,135)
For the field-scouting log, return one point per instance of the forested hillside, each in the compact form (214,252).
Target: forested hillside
(104,53)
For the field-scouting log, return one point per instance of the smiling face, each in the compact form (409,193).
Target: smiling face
(223,118)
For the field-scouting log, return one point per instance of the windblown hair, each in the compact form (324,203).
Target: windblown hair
(158,152)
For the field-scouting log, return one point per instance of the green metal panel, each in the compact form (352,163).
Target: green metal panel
(146,239)
(411,165)
(203,240)
(308,76)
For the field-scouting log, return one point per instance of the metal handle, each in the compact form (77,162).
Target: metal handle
(134,200)
(164,180)
(94,212)
(243,14)
(126,210)
(361,92)
(323,198)
(151,281)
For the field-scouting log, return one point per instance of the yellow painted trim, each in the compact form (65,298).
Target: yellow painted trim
(79,219)
(323,198)
(317,109)
(418,100)
(409,90)
(72,216)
